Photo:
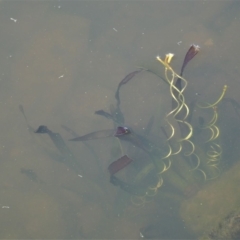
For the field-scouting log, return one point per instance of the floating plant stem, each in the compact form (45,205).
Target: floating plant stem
(31,129)
(180,112)
(104,114)
(95,135)
(124,81)
(177,96)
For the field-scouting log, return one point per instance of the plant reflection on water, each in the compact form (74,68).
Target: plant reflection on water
(184,162)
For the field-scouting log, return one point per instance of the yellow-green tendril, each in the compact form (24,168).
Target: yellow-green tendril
(213,120)
(198,162)
(178,97)
(218,101)
(215,133)
(152,191)
(165,168)
(204,174)
(193,148)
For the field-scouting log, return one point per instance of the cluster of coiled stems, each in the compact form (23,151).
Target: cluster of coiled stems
(180,109)
(214,150)
(181,148)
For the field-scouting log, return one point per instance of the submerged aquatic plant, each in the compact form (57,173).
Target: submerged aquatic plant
(175,163)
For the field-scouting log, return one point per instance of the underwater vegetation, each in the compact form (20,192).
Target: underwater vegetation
(175,162)
(191,154)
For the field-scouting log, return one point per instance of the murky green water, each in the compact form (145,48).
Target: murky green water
(63,60)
